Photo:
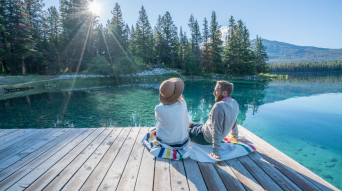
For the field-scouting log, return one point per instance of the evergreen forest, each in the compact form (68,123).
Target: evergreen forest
(332,66)
(70,39)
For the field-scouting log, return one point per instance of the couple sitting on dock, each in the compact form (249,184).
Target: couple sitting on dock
(176,137)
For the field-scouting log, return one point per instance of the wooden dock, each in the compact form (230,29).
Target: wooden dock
(114,159)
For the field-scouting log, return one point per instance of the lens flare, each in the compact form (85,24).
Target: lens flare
(94,8)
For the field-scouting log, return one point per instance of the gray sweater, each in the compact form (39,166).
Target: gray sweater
(222,120)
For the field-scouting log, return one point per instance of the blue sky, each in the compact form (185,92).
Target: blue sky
(300,22)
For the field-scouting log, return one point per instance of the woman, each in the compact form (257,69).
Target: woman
(170,138)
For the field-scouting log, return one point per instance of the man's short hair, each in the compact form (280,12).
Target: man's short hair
(226,86)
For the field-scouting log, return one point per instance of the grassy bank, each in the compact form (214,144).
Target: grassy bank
(19,83)
(16,80)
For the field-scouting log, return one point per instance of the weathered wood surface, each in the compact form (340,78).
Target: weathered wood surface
(114,159)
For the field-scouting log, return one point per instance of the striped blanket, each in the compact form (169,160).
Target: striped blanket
(162,150)
(230,148)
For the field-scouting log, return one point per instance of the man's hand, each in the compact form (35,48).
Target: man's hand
(190,123)
(215,156)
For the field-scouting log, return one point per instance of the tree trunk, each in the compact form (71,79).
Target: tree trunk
(23,66)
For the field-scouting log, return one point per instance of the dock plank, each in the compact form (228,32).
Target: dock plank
(113,176)
(7,132)
(79,178)
(290,173)
(178,176)
(60,173)
(266,182)
(292,166)
(130,174)
(24,177)
(296,178)
(211,177)
(228,177)
(195,181)
(277,176)
(145,179)
(14,139)
(36,149)
(27,143)
(162,179)
(33,160)
(96,177)
(13,136)
(246,179)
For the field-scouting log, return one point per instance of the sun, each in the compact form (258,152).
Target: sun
(94,8)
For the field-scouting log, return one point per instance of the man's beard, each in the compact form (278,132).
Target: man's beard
(219,98)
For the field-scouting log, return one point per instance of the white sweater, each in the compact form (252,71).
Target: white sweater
(173,122)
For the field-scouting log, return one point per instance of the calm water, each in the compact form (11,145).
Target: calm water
(301,115)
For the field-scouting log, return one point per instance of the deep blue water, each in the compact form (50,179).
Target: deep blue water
(301,116)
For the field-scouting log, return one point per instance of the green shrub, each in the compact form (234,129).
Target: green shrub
(100,65)
(127,65)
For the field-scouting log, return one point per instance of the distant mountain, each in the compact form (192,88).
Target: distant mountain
(280,52)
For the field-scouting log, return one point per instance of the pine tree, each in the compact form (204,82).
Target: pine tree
(159,42)
(206,52)
(215,46)
(195,42)
(64,21)
(116,33)
(245,49)
(101,44)
(76,24)
(132,47)
(126,36)
(144,37)
(3,37)
(20,37)
(230,52)
(185,52)
(53,25)
(238,57)
(48,45)
(260,56)
(169,40)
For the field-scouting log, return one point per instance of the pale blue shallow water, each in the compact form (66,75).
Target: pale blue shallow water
(302,117)
(308,129)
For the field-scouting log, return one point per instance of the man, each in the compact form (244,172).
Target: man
(222,120)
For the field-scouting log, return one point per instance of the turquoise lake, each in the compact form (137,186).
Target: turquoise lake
(300,115)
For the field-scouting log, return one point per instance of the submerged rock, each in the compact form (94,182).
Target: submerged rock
(9,90)
(333,160)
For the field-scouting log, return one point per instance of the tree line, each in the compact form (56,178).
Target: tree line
(71,39)
(332,66)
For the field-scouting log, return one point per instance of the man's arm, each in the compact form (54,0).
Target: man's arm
(235,131)
(217,121)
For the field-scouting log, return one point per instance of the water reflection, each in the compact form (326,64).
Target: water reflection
(133,104)
(127,105)
(200,99)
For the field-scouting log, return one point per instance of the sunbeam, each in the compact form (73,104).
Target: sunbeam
(123,50)
(77,69)
(110,57)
